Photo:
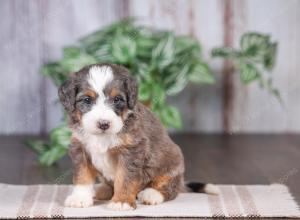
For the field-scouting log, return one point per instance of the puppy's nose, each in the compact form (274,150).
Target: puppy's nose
(103,125)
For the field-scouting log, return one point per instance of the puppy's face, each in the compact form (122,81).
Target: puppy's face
(99,98)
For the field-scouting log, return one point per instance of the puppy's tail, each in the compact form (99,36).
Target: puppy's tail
(202,188)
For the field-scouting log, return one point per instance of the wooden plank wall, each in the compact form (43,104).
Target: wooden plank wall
(34,31)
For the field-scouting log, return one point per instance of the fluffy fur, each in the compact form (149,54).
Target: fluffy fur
(119,140)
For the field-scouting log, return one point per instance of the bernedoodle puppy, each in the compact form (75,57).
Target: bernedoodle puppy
(119,140)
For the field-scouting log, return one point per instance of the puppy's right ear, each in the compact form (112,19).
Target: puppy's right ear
(67,94)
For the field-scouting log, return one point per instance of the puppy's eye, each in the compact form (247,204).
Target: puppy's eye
(87,100)
(117,99)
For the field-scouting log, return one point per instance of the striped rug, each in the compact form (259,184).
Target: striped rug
(45,201)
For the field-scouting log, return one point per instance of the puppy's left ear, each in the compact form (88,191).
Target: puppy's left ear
(131,91)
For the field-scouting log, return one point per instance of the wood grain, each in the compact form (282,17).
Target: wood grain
(34,33)
(220,159)
(20,99)
(228,87)
(191,18)
(254,109)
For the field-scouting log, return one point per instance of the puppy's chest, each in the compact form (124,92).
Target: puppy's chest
(102,160)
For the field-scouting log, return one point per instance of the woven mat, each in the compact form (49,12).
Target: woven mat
(46,201)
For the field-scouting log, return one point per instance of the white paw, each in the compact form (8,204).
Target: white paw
(119,206)
(150,196)
(78,201)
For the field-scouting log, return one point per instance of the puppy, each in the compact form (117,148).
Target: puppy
(119,140)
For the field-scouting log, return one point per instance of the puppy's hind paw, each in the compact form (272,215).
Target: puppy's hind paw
(150,196)
(78,201)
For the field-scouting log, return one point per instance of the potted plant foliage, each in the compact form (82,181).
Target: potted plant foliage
(163,64)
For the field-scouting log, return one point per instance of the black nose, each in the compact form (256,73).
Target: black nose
(103,125)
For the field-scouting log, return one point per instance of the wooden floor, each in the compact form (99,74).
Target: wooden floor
(237,159)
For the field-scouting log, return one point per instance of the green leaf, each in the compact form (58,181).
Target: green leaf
(257,52)
(144,93)
(75,63)
(185,44)
(141,72)
(248,72)
(158,94)
(268,84)
(61,136)
(171,117)
(201,74)
(270,56)
(254,45)
(179,82)
(71,52)
(95,40)
(38,146)
(57,73)
(50,157)
(146,43)
(55,149)
(224,52)
(123,49)
(163,53)
(103,54)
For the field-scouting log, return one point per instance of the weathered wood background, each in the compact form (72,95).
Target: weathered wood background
(33,32)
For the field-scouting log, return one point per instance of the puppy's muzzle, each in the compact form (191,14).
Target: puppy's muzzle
(103,125)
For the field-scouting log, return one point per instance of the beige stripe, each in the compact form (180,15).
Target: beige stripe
(58,206)
(43,202)
(28,201)
(230,202)
(247,201)
(52,199)
(215,206)
(238,201)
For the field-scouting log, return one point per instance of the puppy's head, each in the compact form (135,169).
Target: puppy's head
(99,98)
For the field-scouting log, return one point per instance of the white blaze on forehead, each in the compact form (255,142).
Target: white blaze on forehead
(99,77)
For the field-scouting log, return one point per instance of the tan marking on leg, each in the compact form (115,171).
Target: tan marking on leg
(84,175)
(168,186)
(84,171)
(125,190)
(161,181)
(83,178)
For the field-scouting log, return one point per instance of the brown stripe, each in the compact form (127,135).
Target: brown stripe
(28,201)
(43,202)
(215,206)
(228,80)
(230,202)
(59,199)
(247,201)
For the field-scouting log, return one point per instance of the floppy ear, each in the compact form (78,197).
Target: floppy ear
(131,91)
(67,93)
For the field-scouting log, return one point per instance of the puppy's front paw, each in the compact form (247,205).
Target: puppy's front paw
(78,201)
(120,206)
(150,196)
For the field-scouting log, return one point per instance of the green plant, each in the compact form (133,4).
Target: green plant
(162,62)
(255,57)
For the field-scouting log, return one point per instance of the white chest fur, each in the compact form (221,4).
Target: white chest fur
(97,147)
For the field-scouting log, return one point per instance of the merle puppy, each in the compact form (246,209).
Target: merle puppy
(119,140)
